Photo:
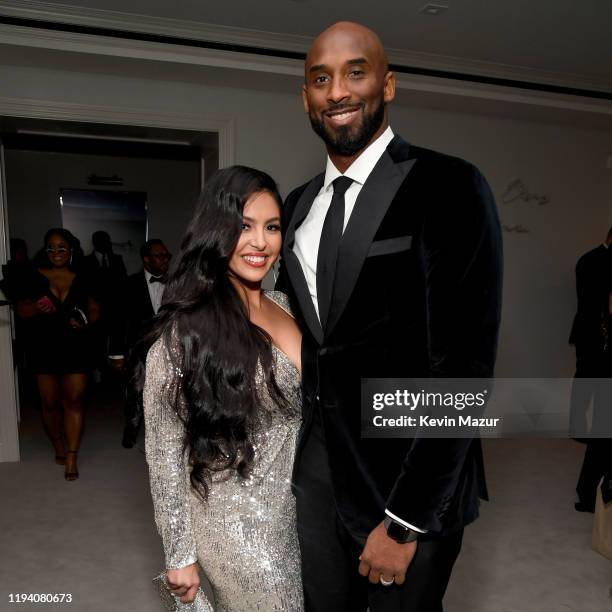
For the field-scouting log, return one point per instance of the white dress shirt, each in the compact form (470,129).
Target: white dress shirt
(308,235)
(100,257)
(156,291)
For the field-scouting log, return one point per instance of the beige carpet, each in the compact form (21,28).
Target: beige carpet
(95,538)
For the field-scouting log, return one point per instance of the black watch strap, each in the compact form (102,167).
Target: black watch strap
(398,532)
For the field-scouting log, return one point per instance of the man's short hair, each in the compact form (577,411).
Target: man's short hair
(146,248)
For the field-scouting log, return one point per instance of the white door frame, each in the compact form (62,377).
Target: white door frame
(9,433)
(66,111)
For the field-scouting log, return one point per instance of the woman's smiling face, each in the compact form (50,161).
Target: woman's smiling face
(58,251)
(260,242)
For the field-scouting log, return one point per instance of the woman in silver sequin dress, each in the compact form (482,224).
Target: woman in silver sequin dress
(222,406)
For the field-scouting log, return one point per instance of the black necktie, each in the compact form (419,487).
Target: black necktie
(156,279)
(331,235)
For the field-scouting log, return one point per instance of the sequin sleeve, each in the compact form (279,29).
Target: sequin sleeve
(164,433)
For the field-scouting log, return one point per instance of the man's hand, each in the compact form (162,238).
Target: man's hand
(383,556)
(184,582)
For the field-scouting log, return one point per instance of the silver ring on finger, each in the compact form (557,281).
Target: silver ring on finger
(385,582)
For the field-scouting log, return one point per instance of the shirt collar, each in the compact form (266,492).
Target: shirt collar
(148,275)
(361,168)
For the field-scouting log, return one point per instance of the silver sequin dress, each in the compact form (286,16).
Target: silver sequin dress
(244,536)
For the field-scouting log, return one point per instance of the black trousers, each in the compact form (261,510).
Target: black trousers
(592,383)
(588,367)
(330,554)
(597,464)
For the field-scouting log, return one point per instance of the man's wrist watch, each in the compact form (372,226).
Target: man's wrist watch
(398,532)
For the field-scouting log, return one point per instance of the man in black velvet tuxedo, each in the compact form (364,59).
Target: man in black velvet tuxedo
(141,301)
(392,260)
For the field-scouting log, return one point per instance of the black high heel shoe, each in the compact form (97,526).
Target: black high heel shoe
(71,475)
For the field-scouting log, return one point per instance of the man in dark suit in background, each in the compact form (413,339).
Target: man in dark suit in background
(593,286)
(102,261)
(392,260)
(141,302)
(106,275)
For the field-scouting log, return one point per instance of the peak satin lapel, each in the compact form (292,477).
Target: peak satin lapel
(292,263)
(370,208)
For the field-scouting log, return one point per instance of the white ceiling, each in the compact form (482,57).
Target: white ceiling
(569,37)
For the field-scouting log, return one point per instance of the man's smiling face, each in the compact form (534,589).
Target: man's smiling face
(347,87)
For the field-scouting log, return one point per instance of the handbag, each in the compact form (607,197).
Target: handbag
(602,526)
(173,602)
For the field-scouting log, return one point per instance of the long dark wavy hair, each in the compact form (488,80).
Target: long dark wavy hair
(219,348)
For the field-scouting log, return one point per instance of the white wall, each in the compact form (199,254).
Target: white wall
(35,178)
(567,164)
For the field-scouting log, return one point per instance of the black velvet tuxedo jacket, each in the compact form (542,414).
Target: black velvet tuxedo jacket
(417,294)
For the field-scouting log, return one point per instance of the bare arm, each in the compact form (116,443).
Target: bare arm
(93,310)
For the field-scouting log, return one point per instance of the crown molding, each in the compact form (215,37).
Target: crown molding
(135,49)
(236,63)
(525,97)
(132,22)
(129,22)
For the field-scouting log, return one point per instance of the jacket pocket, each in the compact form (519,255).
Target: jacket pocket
(390,245)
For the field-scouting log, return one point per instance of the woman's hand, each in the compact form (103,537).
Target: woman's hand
(184,582)
(45,305)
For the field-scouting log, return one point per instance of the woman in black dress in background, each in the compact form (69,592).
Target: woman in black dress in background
(59,312)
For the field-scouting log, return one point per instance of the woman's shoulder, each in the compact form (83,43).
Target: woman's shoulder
(157,352)
(35,279)
(280,298)
(40,275)
(165,350)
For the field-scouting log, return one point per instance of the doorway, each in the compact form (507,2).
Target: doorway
(35,148)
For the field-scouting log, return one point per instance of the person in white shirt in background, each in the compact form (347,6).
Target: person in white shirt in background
(141,302)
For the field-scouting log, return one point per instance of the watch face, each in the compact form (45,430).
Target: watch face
(396,530)
(400,533)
